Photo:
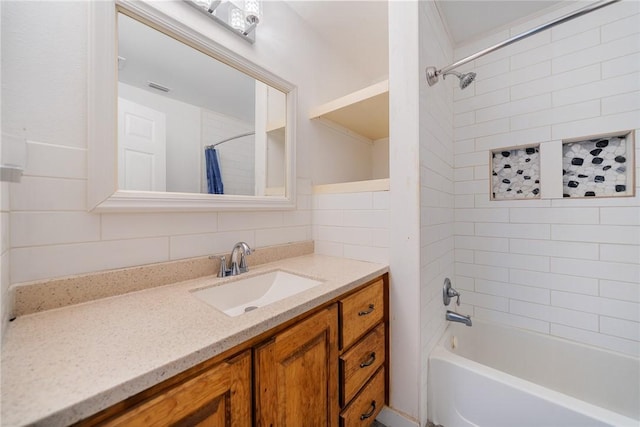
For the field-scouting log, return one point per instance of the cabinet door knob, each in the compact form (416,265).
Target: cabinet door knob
(364,313)
(371,411)
(369,362)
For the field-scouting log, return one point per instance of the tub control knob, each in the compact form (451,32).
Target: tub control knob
(449,292)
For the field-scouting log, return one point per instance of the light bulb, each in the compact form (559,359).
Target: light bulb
(236,19)
(253,10)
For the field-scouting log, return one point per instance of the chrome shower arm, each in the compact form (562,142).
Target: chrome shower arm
(433,73)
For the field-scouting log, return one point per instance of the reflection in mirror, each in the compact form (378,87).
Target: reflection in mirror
(189,123)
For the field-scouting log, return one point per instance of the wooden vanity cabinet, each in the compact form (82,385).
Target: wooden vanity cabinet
(217,396)
(323,368)
(296,380)
(363,332)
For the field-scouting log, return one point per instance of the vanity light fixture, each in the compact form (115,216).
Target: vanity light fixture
(240,16)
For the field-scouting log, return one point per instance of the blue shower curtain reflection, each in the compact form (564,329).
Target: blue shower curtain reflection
(214,177)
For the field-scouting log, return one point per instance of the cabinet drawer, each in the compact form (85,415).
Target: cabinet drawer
(360,362)
(366,406)
(360,312)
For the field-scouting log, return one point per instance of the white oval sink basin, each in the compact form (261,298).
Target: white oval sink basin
(243,295)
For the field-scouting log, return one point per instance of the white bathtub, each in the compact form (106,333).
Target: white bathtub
(500,376)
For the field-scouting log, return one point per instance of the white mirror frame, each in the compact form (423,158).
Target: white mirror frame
(103,193)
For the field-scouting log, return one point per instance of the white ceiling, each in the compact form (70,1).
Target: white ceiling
(468,19)
(359,28)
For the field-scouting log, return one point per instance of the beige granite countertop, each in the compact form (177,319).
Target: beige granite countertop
(62,365)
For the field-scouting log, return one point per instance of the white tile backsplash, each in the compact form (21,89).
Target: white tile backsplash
(43,262)
(122,226)
(229,221)
(49,228)
(203,244)
(49,194)
(48,160)
(353,225)
(282,235)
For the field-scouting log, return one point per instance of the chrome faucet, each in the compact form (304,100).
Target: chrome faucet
(452,316)
(447,294)
(240,249)
(239,267)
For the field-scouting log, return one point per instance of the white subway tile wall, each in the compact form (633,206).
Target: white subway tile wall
(353,225)
(438,184)
(49,231)
(569,268)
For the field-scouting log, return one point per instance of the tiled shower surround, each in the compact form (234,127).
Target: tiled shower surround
(516,173)
(596,167)
(568,267)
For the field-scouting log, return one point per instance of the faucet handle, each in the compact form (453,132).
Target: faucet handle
(449,292)
(234,269)
(243,263)
(222,271)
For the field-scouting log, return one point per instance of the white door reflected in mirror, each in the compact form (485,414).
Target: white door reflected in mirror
(141,147)
(175,103)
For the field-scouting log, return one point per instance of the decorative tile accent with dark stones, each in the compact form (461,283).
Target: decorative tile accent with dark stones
(597,167)
(515,174)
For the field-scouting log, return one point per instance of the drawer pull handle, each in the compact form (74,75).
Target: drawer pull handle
(369,362)
(370,413)
(364,313)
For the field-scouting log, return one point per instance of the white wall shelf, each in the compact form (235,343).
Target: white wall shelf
(365,111)
(353,187)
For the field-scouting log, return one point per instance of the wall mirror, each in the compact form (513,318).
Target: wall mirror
(177,122)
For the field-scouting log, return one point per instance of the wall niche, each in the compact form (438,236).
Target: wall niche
(515,173)
(601,166)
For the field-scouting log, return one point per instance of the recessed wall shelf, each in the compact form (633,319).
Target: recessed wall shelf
(515,173)
(599,166)
(365,111)
(584,167)
(353,187)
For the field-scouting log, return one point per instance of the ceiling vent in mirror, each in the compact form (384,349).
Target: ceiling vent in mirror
(239,16)
(157,86)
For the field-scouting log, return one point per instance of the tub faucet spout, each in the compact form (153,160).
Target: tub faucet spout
(452,316)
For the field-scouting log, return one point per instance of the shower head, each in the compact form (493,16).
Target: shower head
(465,79)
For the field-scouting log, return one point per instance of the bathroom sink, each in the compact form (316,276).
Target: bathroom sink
(243,295)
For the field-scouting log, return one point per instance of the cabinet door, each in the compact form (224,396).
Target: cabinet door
(220,396)
(296,374)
